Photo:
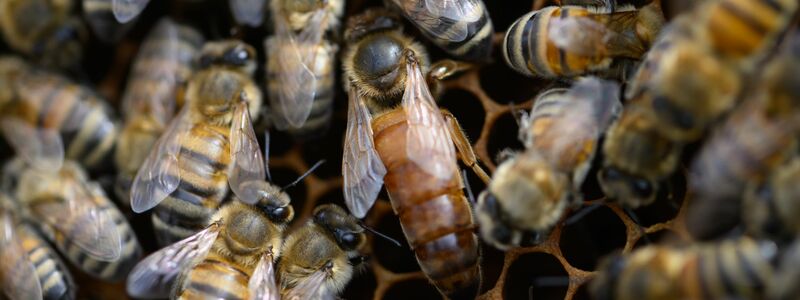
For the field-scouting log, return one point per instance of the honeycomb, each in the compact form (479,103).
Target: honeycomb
(484,100)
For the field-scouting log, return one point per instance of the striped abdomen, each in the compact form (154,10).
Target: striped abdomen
(85,123)
(114,271)
(319,118)
(203,163)
(435,216)
(213,278)
(54,277)
(741,28)
(477,46)
(528,49)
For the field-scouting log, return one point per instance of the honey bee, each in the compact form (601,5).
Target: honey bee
(301,64)
(318,259)
(44,31)
(637,157)
(729,269)
(208,146)
(232,258)
(45,113)
(733,157)
(462,28)
(99,14)
(530,192)
(22,250)
(571,41)
(700,74)
(396,133)
(76,216)
(159,74)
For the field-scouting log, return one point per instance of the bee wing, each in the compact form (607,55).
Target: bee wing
(159,176)
(127,10)
(428,141)
(296,82)
(448,19)
(587,37)
(40,147)
(247,164)
(248,12)
(154,275)
(82,221)
(362,168)
(17,272)
(312,287)
(262,283)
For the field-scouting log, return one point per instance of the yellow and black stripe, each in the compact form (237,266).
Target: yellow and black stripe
(213,278)
(477,46)
(741,28)
(54,277)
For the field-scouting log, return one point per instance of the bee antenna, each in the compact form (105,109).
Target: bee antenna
(466,187)
(582,213)
(375,232)
(314,167)
(636,220)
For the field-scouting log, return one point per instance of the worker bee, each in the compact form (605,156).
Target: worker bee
(396,133)
(76,216)
(729,269)
(29,267)
(734,157)
(233,257)
(530,191)
(462,28)
(159,74)
(301,65)
(45,113)
(571,41)
(99,15)
(637,157)
(44,31)
(318,259)
(208,146)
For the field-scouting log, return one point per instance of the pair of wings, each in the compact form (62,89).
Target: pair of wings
(17,272)
(295,56)
(154,276)
(428,142)
(446,19)
(160,175)
(595,35)
(248,12)
(156,99)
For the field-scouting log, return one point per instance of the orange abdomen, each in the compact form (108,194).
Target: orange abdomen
(434,214)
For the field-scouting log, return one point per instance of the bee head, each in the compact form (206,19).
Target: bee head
(629,189)
(493,229)
(342,226)
(371,21)
(228,53)
(272,201)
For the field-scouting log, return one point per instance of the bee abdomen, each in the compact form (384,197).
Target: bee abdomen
(477,46)
(213,279)
(756,22)
(54,278)
(729,270)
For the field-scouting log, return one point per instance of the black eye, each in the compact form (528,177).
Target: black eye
(642,188)
(502,234)
(236,57)
(279,214)
(611,174)
(349,240)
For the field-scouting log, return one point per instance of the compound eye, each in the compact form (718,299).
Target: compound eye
(611,174)
(349,241)
(280,214)
(642,188)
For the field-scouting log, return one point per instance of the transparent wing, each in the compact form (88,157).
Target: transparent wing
(17,273)
(156,98)
(428,141)
(247,164)
(582,36)
(296,58)
(362,168)
(447,19)
(248,12)
(41,148)
(262,283)
(153,276)
(159,175)
(127,10)
(82,221)
(312,287)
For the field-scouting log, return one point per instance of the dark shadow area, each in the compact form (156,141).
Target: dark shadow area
(537,274)
(590,238)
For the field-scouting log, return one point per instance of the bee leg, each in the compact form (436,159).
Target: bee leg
(443,70)
(465,152)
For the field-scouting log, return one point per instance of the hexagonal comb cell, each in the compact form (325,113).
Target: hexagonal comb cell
(536,276)
(591,237)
